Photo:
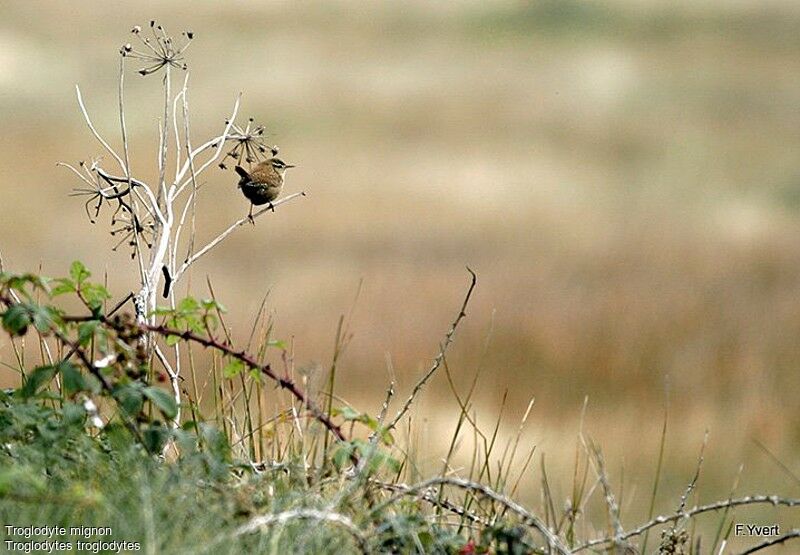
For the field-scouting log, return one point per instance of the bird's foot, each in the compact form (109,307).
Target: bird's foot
(272,207)
(251,219)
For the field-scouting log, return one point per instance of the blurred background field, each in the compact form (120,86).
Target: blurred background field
(623,176)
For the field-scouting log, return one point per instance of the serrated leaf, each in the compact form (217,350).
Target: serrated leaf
(78,272)
(348,413)
(194,324)
(94,294)
(233,368)
(19,282)
(17,319)
(189,305)
(64,285)
(129,398)
(162,311)
(37,379)
(86,331)
(43,318)
(343,454)
(72,379)
(211,304)
(163,400)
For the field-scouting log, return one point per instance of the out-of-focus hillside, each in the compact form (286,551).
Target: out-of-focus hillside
(623,176)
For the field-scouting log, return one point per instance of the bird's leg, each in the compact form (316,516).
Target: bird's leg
(272,207)
(250,215)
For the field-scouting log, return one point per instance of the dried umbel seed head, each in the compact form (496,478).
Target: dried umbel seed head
(159,49)
(248,142)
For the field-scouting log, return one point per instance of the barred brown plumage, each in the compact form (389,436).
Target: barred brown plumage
(263,183)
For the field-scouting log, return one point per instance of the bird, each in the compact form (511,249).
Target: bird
(262,184)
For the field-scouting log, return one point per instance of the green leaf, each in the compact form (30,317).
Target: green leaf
(17,319)
(86,331)
(216,442)
(342,455)
(155,437)
(129,398)
(163,400)
(43,317)
(20,282)
(233,368)
(194,324)
(73,381)
(386,435)
(78,272)
(94,294)
(172,340)
(37,379)
(189,305)
(65,285)
(211,304)
(348,413)
(277,343)
(162,311)
(352,415)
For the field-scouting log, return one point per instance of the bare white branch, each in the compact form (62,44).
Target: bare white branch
(221,237)
(218,143)
(173,381)
(94,131)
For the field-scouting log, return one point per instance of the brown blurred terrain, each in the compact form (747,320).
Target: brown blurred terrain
(623,177)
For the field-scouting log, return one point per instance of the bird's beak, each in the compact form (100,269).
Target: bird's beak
(290,166)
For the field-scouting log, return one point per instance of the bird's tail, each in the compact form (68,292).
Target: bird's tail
(242,172)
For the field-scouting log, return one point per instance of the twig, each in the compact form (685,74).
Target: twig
(173,380)
(94,131)
(219,238)
(437,362)
(90,366)
(217,142)
(773,500)
(156,211)
(284,382)
(553,541)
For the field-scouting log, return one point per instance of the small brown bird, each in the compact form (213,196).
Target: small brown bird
(263,183)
